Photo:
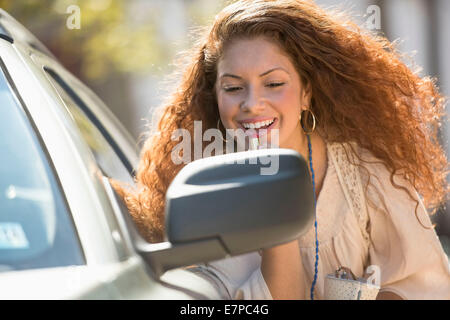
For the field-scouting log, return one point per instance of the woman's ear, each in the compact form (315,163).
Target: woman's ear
(305,94)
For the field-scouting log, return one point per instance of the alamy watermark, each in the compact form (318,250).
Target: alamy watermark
(373,21)
(74,19)
(375,275)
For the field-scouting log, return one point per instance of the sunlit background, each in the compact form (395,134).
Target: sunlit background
(124,49)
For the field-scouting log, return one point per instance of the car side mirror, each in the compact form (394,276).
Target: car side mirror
(223,206)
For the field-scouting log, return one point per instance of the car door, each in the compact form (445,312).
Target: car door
(114,157)
(37,231)
(110,269)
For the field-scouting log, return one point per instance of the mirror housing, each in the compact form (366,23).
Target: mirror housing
(226,197)
(223,206)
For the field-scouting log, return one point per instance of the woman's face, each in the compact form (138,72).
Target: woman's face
(258,86)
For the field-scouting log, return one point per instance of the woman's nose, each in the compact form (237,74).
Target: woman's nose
(253,101)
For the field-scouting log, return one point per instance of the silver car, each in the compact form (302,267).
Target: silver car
(64,234)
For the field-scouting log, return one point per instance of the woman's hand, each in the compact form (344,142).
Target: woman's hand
(282,270)
(386,295)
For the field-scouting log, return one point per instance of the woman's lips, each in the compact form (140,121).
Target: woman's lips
(262,130)
(255,120)
(253,133)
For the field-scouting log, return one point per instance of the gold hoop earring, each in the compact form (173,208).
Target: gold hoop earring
(308,132)
(218,125)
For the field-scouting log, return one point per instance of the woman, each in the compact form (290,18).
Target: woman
(369,122)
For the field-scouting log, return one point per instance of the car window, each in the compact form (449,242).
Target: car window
(36,227)
(107,154)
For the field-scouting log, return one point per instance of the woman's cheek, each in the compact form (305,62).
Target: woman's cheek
(287,99)
(288,107)
(226,110)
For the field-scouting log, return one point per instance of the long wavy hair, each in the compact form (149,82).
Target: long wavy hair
(361,92)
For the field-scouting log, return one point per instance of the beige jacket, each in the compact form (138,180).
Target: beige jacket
(352,233)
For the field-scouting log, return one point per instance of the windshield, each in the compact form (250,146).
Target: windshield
(36,229)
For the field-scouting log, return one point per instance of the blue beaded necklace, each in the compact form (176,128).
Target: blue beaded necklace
(315,219)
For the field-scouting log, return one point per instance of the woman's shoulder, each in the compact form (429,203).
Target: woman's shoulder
(383,188)
(352,151)
(351,158)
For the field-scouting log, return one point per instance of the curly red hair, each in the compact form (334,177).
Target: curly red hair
(361,92)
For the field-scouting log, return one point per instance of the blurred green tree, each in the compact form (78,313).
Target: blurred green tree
(107,41)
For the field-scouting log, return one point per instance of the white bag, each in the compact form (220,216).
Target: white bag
(342,285)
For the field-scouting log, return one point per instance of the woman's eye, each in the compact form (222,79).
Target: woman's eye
(275,84)
(231,89)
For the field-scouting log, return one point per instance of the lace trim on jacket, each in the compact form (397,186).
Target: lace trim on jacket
(350,180)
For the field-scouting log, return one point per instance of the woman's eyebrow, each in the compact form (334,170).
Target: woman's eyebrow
(261,75)
(273,69)
(230,75)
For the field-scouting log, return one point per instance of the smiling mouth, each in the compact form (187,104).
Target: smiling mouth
(258,125)
(266,124)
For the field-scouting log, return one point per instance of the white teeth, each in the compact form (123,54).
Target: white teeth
(257,125)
